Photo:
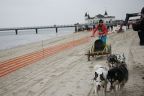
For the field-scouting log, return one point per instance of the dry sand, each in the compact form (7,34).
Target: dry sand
(69,73)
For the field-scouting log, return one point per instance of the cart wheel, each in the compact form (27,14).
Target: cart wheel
(88,55)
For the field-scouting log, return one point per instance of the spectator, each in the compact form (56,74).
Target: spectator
(141,28)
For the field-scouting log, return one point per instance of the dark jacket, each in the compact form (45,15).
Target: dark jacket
(142,24)
(139,25)
(142,20)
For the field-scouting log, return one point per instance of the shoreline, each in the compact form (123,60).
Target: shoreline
(12,41)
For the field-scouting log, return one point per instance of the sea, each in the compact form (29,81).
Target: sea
(9,39)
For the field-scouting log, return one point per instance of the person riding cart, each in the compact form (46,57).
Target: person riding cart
(99,47)
(102,31)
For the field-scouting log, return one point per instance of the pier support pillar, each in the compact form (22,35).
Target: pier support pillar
(56,30)
(36,31)
(16,31)
(76,29)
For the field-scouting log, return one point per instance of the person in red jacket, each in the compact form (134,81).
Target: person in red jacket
(102,31)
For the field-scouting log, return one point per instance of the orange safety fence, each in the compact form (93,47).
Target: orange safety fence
(13,64)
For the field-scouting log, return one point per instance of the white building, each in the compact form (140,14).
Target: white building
(94,20)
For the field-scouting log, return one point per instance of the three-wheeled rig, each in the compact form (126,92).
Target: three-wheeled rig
(99,48)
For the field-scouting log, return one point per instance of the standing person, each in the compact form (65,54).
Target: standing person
(141,28)
(111,28)
(102,31)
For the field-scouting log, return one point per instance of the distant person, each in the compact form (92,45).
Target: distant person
(128,25)
(108,27)
(102,31)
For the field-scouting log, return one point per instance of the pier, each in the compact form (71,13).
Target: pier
(16,29)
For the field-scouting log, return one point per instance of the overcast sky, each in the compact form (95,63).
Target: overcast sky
(16,13)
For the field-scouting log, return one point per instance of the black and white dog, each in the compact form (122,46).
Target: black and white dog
(100,80)
(117,76)
(114,60)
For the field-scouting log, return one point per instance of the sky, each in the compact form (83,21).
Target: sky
(25,13)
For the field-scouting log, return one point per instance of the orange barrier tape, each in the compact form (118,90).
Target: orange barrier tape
(13,64)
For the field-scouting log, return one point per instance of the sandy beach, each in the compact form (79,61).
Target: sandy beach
(68,72)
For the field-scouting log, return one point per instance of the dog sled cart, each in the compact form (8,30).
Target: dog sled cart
(99,48)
